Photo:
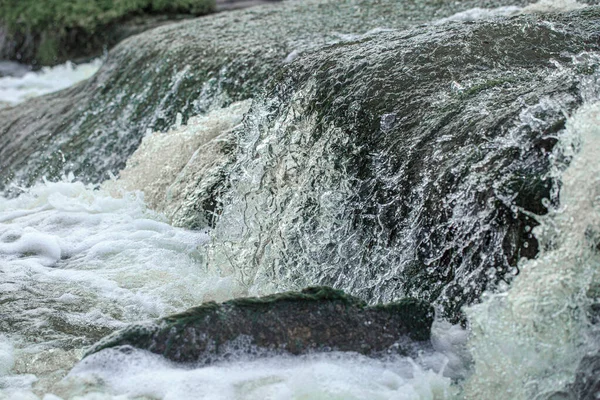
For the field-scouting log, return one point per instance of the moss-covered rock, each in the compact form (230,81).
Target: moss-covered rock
(47,33)
(315,319)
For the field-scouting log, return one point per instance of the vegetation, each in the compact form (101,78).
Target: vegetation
(52,24)
(88,14)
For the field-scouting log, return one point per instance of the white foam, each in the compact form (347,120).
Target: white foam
(12,387)
(166,162)
(547,6)
(74,260)
(7,360)
(15,90)
(542,6)
(320,376)
(475,14)
(528,341)
(133,373)
(121,263)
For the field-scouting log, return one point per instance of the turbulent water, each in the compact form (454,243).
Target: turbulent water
(17,89)
(78,261)
(537,332)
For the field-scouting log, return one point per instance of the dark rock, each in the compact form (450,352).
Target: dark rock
(226,5)
(587,380)
(438,201)
(76,43)
(184,68)
(408,162)
(315,319)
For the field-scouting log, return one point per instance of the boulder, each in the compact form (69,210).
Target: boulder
(389,151)
(315,319)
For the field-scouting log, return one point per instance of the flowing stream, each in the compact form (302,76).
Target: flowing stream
(79,261)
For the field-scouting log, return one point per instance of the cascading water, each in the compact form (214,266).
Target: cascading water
(528,342)
(79,262)
(425,177)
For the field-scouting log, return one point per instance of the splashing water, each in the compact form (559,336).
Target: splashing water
(80,262)
(528,341)
(77,263)
(542,6)
(15,90)
(168,166)
(318,376)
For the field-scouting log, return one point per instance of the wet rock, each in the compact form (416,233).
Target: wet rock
(315,319)
(587,380)
(225,5)
(81,39)
(385,154)
(186,68)
(408,163)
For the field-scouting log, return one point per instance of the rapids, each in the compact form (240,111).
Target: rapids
(249,195)
(74,267)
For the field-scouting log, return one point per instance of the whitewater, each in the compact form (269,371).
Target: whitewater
(19,88)
(79,261)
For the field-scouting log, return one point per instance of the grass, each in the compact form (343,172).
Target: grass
(88,14)
(51,21)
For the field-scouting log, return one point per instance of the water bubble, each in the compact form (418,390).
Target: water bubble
(387,121)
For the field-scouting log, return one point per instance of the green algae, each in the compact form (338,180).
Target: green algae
(86,14)
(316,293)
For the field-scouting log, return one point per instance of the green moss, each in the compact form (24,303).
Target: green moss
(197,7)
(48,50)
(58,15)
(194,313)
(317,293)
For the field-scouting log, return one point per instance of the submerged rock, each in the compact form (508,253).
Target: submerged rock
(186,68)
(315,319)
(388,152)
(408,163)
(587,379)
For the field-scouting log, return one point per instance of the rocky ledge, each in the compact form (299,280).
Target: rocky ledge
(315,319)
